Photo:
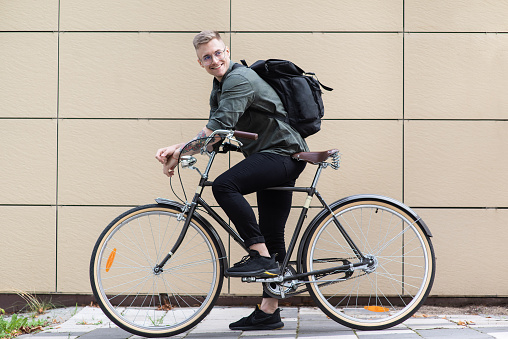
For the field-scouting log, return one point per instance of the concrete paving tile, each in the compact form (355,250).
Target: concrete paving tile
(61,334)
(181,335)
(274,336)
(48,337)
(289,312)
(488,322)
(323,331)
(228,312)
(497,332)
(213,335)
(270,333)
(462,333)
(328,324)
(312,314)
(499,335)
(331,335)
(73,328)
(390,332)
(310,310)
(107,333)
(429,323)
(44,335)
(212,326)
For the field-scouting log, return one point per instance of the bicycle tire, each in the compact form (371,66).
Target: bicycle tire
(389,291)
(136,297)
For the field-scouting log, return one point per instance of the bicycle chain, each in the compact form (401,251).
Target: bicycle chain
(290,294)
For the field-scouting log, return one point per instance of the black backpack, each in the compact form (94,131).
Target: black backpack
(298,90)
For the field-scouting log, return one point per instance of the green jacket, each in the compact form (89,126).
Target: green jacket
(245,102)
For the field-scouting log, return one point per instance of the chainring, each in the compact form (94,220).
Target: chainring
(273,289)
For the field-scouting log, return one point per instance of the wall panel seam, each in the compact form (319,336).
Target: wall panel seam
(57,148)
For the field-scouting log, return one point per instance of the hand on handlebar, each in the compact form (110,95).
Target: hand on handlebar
(168,168)
(168,157)
(163,154)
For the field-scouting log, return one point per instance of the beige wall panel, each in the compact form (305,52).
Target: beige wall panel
(371,159)
(144,15)
(456,76)
(461,237)
(28,161)
(29,73)
(365,70)
(329,15)
(456,15)
(112,162)
(78,230)
(27,249)
(132,75)
(456,163)
(29,15)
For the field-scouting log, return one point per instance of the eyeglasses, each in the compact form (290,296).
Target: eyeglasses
(208,59)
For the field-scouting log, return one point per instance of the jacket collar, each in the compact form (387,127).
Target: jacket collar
(216,82)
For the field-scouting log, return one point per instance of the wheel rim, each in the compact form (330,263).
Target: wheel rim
(140,297)
(389,289)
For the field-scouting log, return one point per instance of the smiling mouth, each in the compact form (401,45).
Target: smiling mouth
(216,66)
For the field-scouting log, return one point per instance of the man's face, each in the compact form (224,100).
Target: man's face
(207,58)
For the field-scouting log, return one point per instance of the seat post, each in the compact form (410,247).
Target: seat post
(316,176)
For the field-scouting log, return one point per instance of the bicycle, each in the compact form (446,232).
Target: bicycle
(366,260)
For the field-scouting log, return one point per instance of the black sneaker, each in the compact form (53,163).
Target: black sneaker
(258,320)
(254,265)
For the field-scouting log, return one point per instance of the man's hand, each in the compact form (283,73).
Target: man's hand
(168,157)
(163,154)
(168,168)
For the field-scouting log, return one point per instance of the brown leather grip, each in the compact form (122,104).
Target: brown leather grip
(246,135)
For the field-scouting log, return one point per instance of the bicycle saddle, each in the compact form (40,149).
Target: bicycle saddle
(314,157)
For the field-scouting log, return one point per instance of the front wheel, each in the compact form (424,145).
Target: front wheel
(401,266)
(131,288)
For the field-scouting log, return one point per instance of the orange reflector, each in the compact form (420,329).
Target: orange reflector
(376,308)
(110,259)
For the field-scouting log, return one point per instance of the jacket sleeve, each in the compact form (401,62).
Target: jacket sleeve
(235,98)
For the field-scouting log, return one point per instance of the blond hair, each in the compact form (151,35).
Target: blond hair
(204,37)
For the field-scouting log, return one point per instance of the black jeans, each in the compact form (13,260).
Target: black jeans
(254,174)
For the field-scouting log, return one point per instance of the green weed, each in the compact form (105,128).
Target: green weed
(17,325)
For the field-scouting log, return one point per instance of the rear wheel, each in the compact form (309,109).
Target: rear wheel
(396,282)
(139,297)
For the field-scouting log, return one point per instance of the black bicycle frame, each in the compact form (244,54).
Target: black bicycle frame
(197,200)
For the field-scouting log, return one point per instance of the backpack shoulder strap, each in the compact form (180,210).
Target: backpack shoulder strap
(319,82)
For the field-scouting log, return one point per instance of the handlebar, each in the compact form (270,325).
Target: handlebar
(245,135)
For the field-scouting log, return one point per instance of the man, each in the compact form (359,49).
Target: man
(241,100)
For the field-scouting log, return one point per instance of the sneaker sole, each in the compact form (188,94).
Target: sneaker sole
(257,274)
(276,326)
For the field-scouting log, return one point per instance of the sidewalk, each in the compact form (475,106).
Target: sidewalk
(300,322)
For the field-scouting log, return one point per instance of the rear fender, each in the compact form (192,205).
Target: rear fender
(356,198)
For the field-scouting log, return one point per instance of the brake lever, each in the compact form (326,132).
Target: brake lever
(228,147)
